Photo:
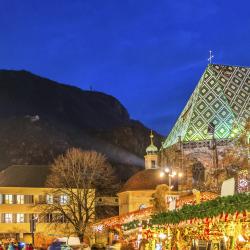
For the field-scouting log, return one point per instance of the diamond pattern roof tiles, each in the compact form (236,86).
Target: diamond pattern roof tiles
(222,97)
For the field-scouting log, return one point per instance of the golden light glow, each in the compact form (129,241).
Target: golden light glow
(162,174)
(180,174)
(166,170)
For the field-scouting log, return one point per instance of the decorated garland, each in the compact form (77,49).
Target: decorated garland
(209,209)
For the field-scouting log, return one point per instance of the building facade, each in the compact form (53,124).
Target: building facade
(18,207)
(214,116)
(24,206)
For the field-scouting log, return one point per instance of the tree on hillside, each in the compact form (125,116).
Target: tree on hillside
(77,177)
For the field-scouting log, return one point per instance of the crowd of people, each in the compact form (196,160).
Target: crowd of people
(15,246)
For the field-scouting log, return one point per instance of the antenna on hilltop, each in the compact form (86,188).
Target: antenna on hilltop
(211,56)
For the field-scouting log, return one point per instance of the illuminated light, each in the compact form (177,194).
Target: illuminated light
(241,238)
(174,173)
(162,174)
(162,236)
(99,228)
(180,175)
(225,238)
(167,170)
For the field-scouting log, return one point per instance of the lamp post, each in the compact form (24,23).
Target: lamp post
(33,221)
(171,174)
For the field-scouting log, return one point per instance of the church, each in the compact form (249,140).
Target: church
(214,116)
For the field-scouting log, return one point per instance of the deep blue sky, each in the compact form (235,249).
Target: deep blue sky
(148,54)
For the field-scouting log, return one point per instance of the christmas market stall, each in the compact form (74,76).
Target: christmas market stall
(222,223)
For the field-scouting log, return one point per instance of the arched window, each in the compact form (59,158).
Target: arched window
(198,172)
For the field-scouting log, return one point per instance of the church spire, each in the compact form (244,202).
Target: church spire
(151,137)
(151,149)
(151,158)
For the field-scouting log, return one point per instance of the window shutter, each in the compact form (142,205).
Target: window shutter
(14,199)
(26,199)
(30,199)
(1,198)
(26,218)
(3,218)
(41,199)
(14,218)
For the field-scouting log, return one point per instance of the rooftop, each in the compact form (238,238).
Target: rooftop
(221,98)
(147,179)
(24,176)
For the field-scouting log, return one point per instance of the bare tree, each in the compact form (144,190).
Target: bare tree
(76,179)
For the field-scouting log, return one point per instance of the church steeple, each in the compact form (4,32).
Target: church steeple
(151,158)
(151,149)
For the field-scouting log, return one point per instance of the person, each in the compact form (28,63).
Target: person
(86,246)
(11,246)
(1,246)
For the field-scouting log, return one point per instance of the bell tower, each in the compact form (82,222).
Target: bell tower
(151,157)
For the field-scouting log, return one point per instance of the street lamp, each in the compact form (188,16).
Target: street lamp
(171,174)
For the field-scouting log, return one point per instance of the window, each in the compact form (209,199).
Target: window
(49,199)
(20,199)
(63,199)
(198,171)
(48,218)
(8,218)
(8,199)
(59,218)
(153,164)
(20,218)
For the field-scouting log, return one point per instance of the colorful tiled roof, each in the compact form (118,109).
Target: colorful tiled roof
(222,97)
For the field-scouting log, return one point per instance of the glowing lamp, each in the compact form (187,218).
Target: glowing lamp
(180,175)
(162,174)
(162,236)
(241,238)
(225,238)
(166,170)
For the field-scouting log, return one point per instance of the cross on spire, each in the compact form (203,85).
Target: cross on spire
(151,137)
(211,56)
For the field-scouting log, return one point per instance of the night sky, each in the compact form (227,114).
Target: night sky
(148,54)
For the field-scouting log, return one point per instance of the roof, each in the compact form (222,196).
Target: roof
(24,176)
(147,179)
(151,149)
(222,98)
(146,213)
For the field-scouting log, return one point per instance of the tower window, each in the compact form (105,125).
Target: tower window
(153,164)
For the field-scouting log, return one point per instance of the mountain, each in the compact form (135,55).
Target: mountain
(40,119)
